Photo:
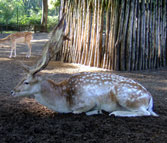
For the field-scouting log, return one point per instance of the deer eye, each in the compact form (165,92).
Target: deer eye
(26,82)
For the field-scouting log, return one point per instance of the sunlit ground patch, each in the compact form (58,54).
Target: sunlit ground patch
(61,67)
(42,40)
(5,59)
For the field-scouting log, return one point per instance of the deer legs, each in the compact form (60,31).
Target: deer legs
(89,108)
(84,107)
(29,50)
(13,47)
(141,112)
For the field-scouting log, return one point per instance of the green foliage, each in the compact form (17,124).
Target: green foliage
(33,20)
(52,20)
(5,13)
(27,12)
(56,3)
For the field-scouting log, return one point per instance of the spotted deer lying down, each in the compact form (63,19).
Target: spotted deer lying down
(89,93)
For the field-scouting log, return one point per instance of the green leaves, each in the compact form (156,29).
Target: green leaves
(26,12)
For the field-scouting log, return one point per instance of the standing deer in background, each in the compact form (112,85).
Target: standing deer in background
(84,92)
(19,37)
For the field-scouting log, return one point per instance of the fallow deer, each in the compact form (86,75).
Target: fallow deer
(19,37)
(89,93)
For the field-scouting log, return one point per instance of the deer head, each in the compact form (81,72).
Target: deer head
(29,84)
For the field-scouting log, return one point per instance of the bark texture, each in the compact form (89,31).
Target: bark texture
(116,34)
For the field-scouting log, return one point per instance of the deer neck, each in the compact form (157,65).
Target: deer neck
(53,96)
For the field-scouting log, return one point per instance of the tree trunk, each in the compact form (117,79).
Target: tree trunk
(164,30)
(142,37)
(156,34)
(123,42)
(93,38)
(115,34)
(106,52)
(138,36)
(77,29)
(153,36)
(88,33)
(146,36)
(134,36)
(129,37)
(85,31)
(119,37)
(97,59)
(150,36)
(44,15)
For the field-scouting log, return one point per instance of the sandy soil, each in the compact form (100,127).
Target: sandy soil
(23,120)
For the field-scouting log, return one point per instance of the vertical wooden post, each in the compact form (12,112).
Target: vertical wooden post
(129,37)
(123,42)
(134,37)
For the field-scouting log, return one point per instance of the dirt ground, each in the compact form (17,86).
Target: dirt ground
(23,120)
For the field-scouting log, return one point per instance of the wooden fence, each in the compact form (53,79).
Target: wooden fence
(116,34)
